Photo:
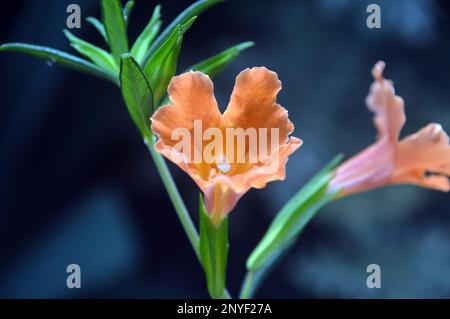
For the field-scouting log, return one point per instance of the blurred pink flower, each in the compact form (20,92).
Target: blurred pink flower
(422,158)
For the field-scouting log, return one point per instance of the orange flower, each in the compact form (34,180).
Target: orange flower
(422,158)
(233,172)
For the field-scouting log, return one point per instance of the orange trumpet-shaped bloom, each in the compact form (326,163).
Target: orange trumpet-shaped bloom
(252,106)
(422,158)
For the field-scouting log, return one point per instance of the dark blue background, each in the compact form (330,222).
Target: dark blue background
(78,186)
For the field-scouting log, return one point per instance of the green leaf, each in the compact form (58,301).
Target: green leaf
(59,57)
(98,26)
(137,94)
(115,27)
(163,64)
(127,11)
(215,64)
(253,279)
(213,251)
(97,55)
(193,10)
(293,217)
(142,43)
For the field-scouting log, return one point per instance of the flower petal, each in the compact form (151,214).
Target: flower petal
(367,170)
(427,151)
(223,192)
(253,103)
(192,96)
(273,169)
(388,108)
(373,166)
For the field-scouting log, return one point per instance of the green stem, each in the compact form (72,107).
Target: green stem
(226,294)
(175,197)
(177,201)
(247,286)
(252,281)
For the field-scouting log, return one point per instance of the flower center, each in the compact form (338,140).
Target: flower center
(223,166)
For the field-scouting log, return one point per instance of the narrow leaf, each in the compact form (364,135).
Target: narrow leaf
(97,55)
(115,27)
(213,251)
(292,218)
(144,40)
(193,10)
(215,64)
(59,57)
(127,11)
(98,26)
(253,279)
(137,94)
(163,64)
